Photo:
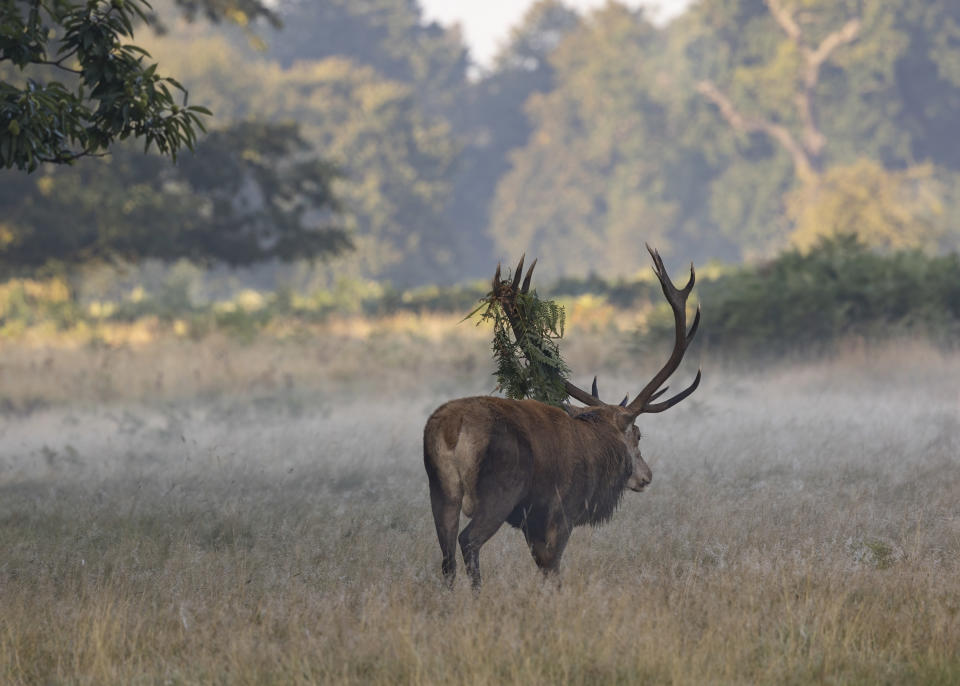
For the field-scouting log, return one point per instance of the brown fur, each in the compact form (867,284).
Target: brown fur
(543,469)
(540,468)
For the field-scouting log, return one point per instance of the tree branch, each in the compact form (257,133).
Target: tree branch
(786,20)
(813,59)
(802,162)
(58,64)
(813,138)
(807,152)
(816,58)
(71,157)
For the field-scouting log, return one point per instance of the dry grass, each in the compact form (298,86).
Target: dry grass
(340,357)
(803,526)
(332,359)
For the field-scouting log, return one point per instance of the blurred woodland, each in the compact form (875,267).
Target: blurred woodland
(355,147)
(217,356)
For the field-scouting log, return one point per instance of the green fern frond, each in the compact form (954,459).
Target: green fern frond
(528,365)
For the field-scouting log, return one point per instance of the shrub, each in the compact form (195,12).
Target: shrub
(807,301)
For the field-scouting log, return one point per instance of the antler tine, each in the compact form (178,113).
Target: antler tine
(659,269)
(593,391)
(678,303)
(693,327)
(669,289)
(655,254)
(691,281)
(667,404)
(581,395)
(526,282)
(518,273)
(623,403)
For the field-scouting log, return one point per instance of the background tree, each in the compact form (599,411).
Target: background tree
(113,92)
(590,134)
(397,164)
(822,83)
(390,36)
(798,62)
(883,208)
(490,121)
(588,186)
(928,79)
(109,90)
(397,161)
(239,11)
(250,194)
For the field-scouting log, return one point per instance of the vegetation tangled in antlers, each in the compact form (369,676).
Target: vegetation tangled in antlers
(525,334)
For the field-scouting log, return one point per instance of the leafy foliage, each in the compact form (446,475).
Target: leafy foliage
(591,173)
(390,36)
(799,304)
(884,208)
(490,121)
(625,147)
(397,162)
(267,196)
(112,92)
(803,302)
(525,334)
(253,192)
(587,135)
(239,11)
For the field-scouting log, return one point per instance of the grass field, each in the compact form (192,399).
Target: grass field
(205,513)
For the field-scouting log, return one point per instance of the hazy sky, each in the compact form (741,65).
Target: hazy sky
(486,23)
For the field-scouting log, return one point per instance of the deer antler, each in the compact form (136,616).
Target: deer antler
(678,302)
(506,292)
(596,394)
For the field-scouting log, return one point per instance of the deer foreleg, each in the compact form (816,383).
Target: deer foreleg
(548,548)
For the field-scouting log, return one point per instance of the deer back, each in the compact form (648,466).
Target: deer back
(577,462)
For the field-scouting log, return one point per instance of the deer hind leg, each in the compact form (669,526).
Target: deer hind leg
(446,517)
(494,502)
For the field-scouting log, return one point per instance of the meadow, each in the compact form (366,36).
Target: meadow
(213,512)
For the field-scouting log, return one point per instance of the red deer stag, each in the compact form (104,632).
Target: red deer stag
(541,468)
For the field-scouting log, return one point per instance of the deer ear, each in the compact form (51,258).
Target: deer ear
(624,420)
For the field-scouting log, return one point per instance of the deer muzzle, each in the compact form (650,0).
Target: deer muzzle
(638,481)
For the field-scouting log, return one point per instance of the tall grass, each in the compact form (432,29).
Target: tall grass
(802,527)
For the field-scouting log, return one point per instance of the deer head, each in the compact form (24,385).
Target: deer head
(624,414)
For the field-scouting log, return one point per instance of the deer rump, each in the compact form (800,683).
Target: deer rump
(523,462)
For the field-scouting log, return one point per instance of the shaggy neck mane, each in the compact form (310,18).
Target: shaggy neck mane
(610,467)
